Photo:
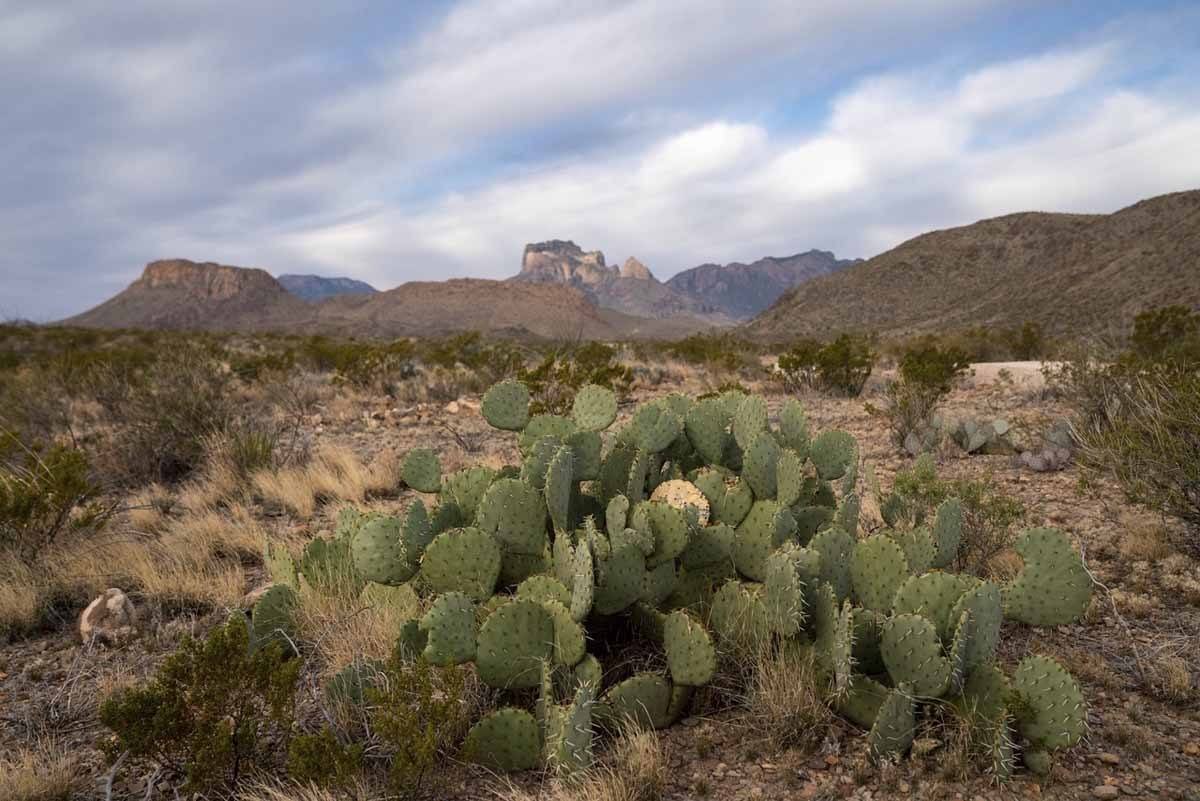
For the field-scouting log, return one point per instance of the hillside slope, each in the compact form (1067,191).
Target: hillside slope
(313,288)
(1069,272)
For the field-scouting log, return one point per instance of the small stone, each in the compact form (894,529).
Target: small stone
(1109,758)
(452,407)
(1192,748)
(110,618)
(831,760)
(1105,791)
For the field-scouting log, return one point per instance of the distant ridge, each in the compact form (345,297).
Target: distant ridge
(313,288)
(1071,273)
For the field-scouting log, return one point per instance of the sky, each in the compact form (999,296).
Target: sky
(392,142)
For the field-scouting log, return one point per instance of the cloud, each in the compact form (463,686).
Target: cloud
(419,141)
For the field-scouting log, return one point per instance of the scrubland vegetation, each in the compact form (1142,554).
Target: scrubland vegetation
(911,604)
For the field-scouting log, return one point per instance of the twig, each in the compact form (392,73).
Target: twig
(112,775)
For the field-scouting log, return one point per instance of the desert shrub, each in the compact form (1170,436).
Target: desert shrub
(927,373)
(496,359)
(989,515)
(554,381)
(215,710)
(162,415)
(1027,342)
(1168,335)
(933,369)
(711,351)
(1149,443)
(323,760)
(358,363)
(45,492)
(420,713)
(841,366)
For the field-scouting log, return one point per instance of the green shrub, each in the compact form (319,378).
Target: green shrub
(841,366)
(1027,342)
(420,713)
(554,381)
(1149,443)
(713,351)
(930,368)
(321,759)
(215,710)
(45,493)
(1168,335)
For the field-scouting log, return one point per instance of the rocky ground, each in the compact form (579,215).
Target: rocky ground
(1144,624)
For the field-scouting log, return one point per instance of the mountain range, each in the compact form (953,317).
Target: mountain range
(1071,273)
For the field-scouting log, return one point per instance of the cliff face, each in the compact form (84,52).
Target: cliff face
(206,280)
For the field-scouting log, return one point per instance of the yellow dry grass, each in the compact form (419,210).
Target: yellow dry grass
(343,625)
(785,700)
(634,769)
(334,473)
(146,509)
(43,773)
(298,792)
(20,601)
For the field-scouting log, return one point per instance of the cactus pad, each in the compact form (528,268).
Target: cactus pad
(622,582)
(513,512)
(559,484)
(708,546)
(759,464)
(1053,586)
(877,568)
(506,406)
(379,553)
(655,426)
(783,594)
(835,548)
(465,488)
(273,617)
(729,499)
(670,528)
(947,532)
(767,527)
(832,452)
(1052,713)
(690,653)
(750,420)
(933,596)
(512,643)
(895,724)
(644,699)
(422,470)
(983,602)
(918,546)
(594,408)
(449,628)
(913,654)
(544,588)
(464,560)
(570,642)
(506,740)
(682,495)
(738,616)
(793,427)
(705,426)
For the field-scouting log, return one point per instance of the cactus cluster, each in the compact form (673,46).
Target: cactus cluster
(708,527)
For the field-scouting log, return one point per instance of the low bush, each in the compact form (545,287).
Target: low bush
(215,710)
(841,366)
(554,381)
(720,352)
(322,760)
(927,373)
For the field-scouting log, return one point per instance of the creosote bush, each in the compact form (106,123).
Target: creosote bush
(927,373)
(215,710)
(554,381)
(841,366)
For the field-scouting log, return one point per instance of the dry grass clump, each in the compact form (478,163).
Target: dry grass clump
(1170,678)
(1134,605)
(20,601)
(335,473)
(634,769)
(45,773)
(786,700)
(1144,544)
(298,792)
(146,510)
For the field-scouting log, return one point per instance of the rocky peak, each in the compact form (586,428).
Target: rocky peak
(632,268)
(205,279)
(563,261)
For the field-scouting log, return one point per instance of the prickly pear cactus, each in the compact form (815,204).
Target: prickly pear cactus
(714,530)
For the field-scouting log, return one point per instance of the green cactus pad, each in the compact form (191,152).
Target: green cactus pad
(895,724)
(810,520)
(832,453)
(595,408)
(512,642)
(918,546)
(846,516)
(868,633)
(705,426)
(465,488)
(570,642)
(570,749)
(513,512)
(537,460)
(583,580)
(544,588)
(793,427)
(836,550)
(789,477)
(586,447)
(281,567)
(833,643)
(738,616)
(750,420)
(421,470)
(1052,713)
(708,546)
(655,426)
(690,653)
(558,487)
(877,568)
(783,595)
(449,627)
(544,425)
(614,470)
(729,499)
(1053,587)
(616,514)
(984,605)
(862,701)
(464,560)
(913,655)
(1038,762)
(506,406)
(644,700)
(622,582)
(670,528)
(379,554)
(349,684)
(947,532)
(983,696)
(658,583)
(273,618)
(767,527)
(588,671)
(933,596)
(759,465)
(506,740)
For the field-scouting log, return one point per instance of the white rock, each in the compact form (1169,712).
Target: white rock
(111,618)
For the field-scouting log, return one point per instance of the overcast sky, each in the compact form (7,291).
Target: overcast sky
(436,141)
